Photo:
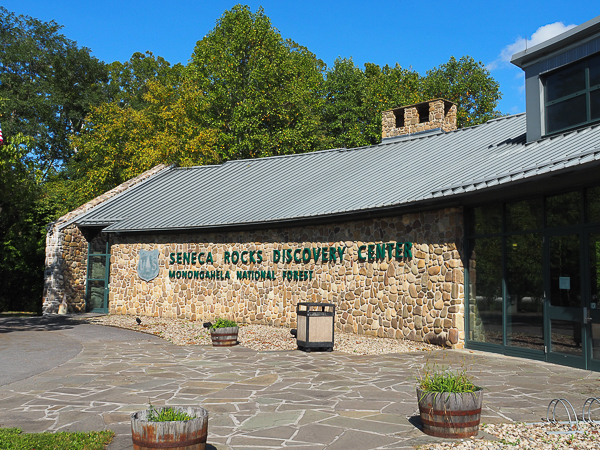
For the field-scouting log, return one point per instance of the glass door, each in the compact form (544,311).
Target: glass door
(592,311)
(96,295)
(566,334)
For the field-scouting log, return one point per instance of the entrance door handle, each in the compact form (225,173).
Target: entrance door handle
(587,315)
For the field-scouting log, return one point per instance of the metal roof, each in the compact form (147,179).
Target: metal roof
(563,41)
(342,181)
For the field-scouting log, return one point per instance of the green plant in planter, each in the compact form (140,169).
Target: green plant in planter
(170,427)
(167,415)
(445,380)
(223,323)
(449,403)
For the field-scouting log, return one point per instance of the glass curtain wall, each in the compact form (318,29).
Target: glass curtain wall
(514,248)
(593,215)
(506,275)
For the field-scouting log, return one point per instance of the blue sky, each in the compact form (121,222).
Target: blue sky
(414,34)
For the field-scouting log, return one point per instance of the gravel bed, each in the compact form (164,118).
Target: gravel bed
(533,436)
(257,337)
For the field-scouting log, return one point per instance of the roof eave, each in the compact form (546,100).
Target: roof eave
(574,36)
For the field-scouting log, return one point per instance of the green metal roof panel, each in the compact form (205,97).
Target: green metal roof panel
(343,181)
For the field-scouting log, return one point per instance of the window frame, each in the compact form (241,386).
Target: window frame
(585,223)
(586,92)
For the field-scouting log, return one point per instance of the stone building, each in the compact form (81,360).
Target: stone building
(486,237)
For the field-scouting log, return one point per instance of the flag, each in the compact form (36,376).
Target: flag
(1,138)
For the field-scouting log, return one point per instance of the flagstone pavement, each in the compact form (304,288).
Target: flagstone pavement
(58,374)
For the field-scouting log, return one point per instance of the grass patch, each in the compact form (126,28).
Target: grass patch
(15,439)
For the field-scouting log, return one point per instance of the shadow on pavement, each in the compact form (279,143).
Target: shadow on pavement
(53,322)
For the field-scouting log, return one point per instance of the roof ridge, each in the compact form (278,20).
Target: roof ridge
(495,119)
(197,167)
(346,149)
(292,155)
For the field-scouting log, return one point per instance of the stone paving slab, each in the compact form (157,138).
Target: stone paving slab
(263,400)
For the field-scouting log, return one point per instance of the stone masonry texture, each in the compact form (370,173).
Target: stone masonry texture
(440,114)
(66,253)
(420,298)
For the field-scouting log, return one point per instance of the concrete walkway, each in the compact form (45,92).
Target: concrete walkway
(92,377)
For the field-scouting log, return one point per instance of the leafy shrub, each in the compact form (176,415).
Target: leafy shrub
(223,323)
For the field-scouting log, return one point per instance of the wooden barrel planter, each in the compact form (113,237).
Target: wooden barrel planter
(450,415)
(224,337)
(177,435)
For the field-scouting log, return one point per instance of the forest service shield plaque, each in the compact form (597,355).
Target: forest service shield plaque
(147,268)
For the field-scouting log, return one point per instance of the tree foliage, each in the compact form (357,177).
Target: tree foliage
(76,127)
(119,143)
(128,81)
(22,234)
(467,83)
(355,98)
(262,93)
(48,84)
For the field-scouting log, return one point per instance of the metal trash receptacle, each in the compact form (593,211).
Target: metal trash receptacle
(315,326)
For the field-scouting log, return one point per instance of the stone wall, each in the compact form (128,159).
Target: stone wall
(440,114)
(65,269)
(75,253)
(66,253)
(417,296)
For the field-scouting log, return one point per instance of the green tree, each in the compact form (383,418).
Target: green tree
(128,81)
(48,84)
(21,236)
(262,93)
(344,113)
(120,142)
(467,83)
(387,88)
(354,100)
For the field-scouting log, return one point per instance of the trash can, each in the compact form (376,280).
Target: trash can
(315,326)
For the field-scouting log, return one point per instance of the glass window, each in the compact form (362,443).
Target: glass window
(564,209)
(572,95)
(565,337)
(485,291)
(594,255)
(524,215)
(565,81)
(595,104)
(594,252)
(525,291)
(565,273)
(593,204)
(97,269)
(594,68)
(487,219)
(95,295)
(566,114)
(596,341)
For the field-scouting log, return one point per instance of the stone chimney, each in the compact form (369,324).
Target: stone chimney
(431,115)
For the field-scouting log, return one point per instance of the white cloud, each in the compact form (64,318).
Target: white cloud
(542,34)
